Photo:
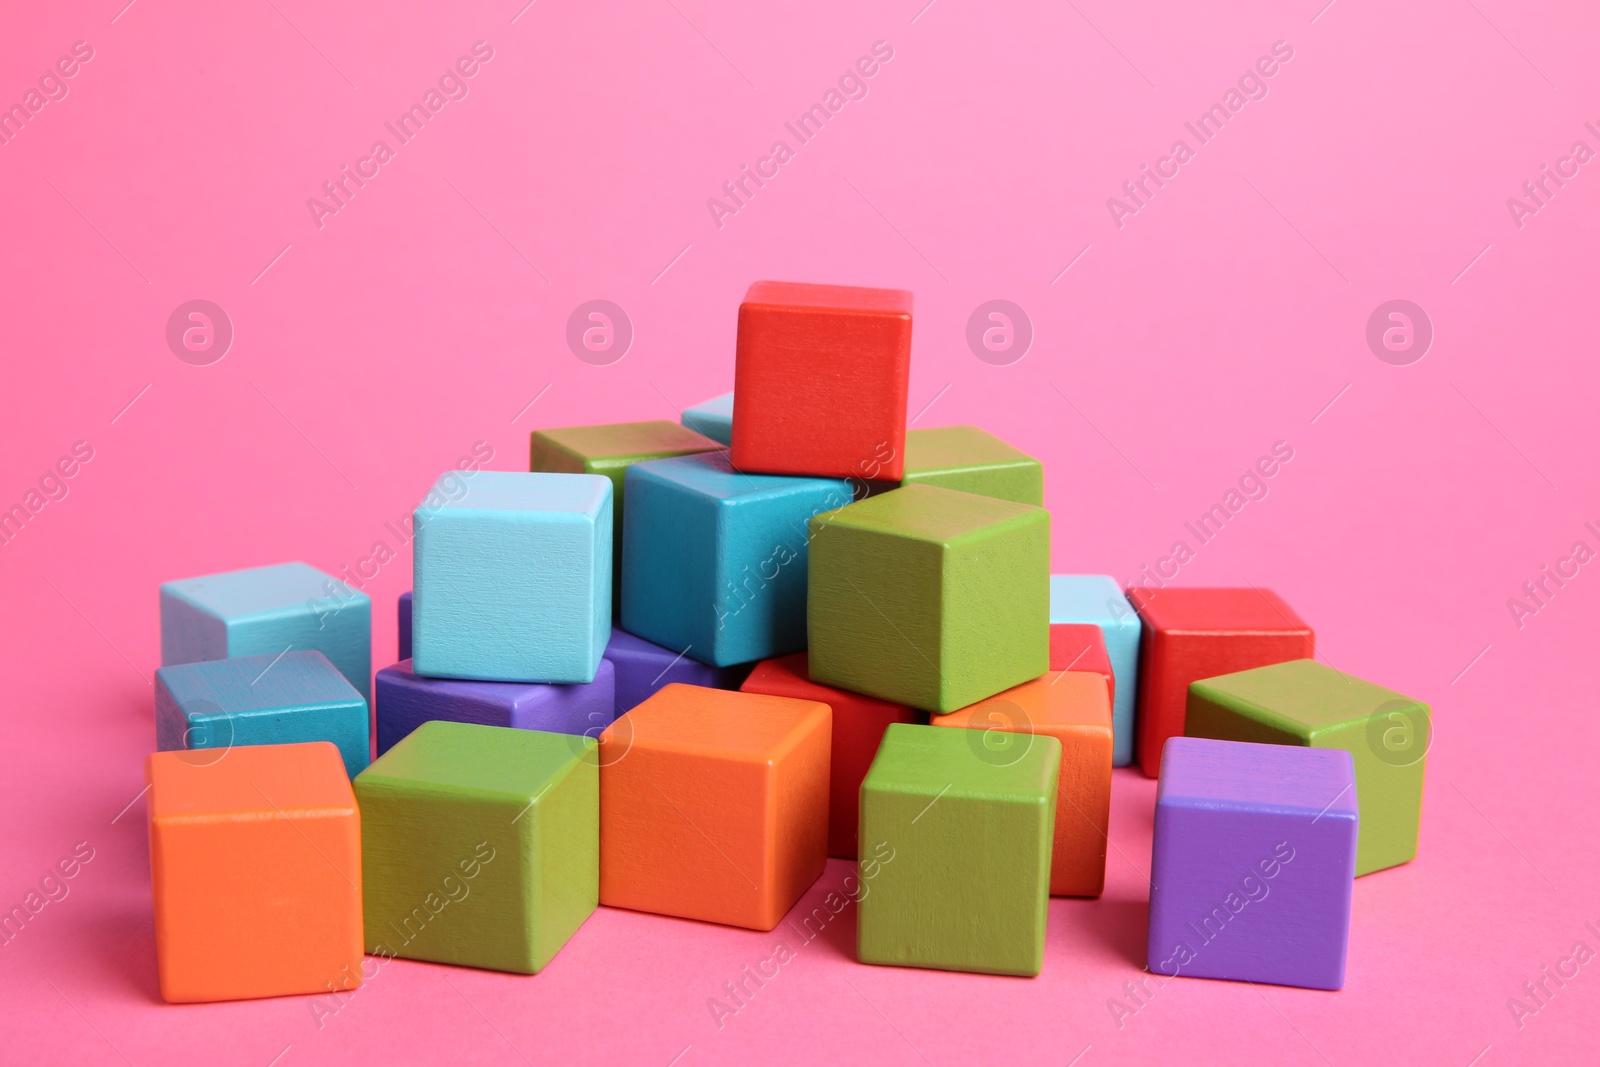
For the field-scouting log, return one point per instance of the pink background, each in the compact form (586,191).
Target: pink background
(425,315)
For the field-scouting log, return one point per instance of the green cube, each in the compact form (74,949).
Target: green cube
(1303,702)
(956,832)
(610,450)
(480,845)
(973,461)
(929,597)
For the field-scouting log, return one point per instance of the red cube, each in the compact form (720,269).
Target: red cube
(1081,647)
(858,726)
(1192,634)
(819,383)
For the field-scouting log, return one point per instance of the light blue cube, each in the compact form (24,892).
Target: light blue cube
(1098,599)
(714,559)
(713,419)
(281,699)
(265,611)
(513,578)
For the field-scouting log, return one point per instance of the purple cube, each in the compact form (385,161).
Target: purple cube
(406,700)
(1254,860)
(405,625)
(643,667)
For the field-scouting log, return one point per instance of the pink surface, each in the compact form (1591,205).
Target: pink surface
(1227,314)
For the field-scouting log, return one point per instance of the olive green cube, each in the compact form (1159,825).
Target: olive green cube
(973,461)
(1303,702)
(480,845)
(929,597)
(610,449)
(956,833)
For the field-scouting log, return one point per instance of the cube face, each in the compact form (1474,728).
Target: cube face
(1074,708)
(1303,702)
(714,805)
(973,461)
(642,667)
(713,418)
(858,726)
(406,700)
(265,610)
(820,380)
(1081,647)
(1097,600)
(255,865)
(513,578)
(294,697)
(963,837)
(508,819)
(1253,863)
(1192,634)
(609,450)
(929,597)
(715,560)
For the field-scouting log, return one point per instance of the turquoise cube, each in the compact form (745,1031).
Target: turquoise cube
(1096,599)
(713,418)
(513,578)
(714,559)
(265,611)
(261,700)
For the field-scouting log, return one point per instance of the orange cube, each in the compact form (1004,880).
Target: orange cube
(858,726)
(1075,708)
(255,871)
(714,805)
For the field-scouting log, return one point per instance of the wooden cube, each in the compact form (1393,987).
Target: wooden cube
(974,461)
(643,666)
(1081,647)
(714,559)
(714,805)
(1304,702)
(267,610)
(1191,634)
(820,377)
(406,700)
(1097,600)
(713,418)
(1253,861)
(513,577)
(929,597)
(480,845)
(255,872)
(858,725)
(610,450)
(961,831)
(1075,709)
(261,700)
